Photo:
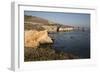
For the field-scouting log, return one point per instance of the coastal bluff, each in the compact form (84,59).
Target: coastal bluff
(34,38)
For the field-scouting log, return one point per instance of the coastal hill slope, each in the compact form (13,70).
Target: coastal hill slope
(35,19)
(38,20)
(38,23)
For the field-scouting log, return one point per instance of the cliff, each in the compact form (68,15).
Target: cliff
(34,38)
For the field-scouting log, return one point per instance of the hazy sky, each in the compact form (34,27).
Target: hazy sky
(73,19)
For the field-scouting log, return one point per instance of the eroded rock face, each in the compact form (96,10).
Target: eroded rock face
(33,38)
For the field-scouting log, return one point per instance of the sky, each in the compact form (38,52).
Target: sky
(72,19)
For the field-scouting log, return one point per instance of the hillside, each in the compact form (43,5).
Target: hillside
(35,19)
(39,21)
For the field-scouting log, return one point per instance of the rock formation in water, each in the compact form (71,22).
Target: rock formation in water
(34,38)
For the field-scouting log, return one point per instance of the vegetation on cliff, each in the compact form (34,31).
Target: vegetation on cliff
(32,27)
(45,53)
(39,20)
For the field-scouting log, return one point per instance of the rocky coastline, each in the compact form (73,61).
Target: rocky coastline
(37,44)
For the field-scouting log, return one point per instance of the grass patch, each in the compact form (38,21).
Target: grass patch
(45,53)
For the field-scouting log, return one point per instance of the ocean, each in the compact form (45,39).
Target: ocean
(75,42)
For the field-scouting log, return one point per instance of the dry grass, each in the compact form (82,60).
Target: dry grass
(46,53)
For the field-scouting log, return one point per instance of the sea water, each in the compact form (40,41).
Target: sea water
(75,42)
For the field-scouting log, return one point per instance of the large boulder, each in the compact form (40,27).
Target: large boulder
(34,38)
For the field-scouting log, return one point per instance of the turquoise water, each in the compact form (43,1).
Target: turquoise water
(75,42)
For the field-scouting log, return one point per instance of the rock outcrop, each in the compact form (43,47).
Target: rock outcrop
(34,38)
